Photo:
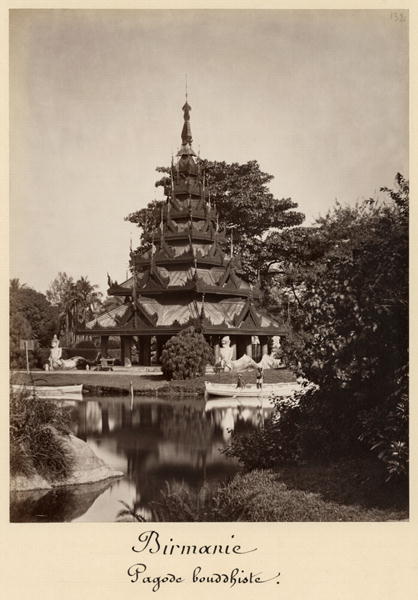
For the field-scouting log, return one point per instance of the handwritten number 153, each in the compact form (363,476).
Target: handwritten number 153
(398,17)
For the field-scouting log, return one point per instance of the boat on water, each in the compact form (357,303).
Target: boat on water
(62,392)
(230,390)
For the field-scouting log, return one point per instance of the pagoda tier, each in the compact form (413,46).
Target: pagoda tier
(184,276)
(186,249)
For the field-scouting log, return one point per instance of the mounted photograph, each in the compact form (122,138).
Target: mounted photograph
(209,272)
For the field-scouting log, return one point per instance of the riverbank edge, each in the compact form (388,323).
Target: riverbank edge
(143,384)
(87,468)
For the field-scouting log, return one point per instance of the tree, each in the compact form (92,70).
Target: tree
(110,303)
(351,328)
(245,206)
(349,279)
(31,317)
(77,302)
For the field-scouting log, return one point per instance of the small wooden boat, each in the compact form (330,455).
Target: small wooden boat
(230,390)
(62,392)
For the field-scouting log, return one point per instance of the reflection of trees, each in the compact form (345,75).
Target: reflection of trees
(188,427)
(163,442)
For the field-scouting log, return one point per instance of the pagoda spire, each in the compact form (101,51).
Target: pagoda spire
(186,133)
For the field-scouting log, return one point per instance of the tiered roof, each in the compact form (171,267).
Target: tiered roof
(185,276)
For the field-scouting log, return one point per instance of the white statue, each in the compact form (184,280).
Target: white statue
(226,353)
(55,354)
(226,362)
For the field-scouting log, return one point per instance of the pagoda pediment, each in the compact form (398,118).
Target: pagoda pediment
(142,315)
(153,278)
(249,318)
(230,279)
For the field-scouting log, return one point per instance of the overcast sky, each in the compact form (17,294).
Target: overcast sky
(319,98)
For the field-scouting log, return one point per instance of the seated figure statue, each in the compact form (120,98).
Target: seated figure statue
(226,353)
(56,361)
(55,354)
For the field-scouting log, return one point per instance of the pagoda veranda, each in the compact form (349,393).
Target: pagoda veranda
(182,276)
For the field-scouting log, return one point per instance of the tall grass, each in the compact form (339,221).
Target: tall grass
(37,428)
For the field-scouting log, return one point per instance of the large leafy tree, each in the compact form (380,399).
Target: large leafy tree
(348,277)
(31,317)
(246,208)
(351,326)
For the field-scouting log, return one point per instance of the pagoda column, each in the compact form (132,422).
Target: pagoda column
(125,348)
(264,344)
(104,341)
(145,350)
(241,345)
(249,346)
(216,349)
(234,347)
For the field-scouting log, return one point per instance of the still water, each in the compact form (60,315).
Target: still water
(155,443)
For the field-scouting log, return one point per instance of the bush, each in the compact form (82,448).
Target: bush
(186,355)
(179,503)
(386,430)
(280,440)
(36,430)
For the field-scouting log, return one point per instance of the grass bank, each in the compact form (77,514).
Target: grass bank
(311,493)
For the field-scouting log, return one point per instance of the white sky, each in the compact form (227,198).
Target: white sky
(319,98)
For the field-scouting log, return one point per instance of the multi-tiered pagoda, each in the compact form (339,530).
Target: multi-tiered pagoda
(185,277)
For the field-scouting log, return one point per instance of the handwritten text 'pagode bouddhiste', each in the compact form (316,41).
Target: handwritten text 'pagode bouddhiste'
(150,543)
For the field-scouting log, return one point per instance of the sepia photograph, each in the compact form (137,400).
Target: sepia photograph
(209,266)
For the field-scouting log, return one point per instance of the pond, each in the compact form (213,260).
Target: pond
(155,443)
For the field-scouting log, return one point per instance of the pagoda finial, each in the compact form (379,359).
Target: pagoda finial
(186,134)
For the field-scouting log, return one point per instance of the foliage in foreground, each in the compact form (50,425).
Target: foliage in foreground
(186,355)
(350,338)
(258,496)
(36,430)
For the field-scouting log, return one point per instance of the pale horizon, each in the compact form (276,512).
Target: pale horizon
(318,98)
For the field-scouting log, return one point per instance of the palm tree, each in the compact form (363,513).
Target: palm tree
(87,297)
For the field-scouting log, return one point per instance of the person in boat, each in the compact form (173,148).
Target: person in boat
(240,383)
(259,378)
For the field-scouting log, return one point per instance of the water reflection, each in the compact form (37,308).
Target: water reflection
(153,442)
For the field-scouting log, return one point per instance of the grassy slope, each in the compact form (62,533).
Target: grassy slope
(301,494)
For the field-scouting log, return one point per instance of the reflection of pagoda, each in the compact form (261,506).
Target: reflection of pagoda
(185,278)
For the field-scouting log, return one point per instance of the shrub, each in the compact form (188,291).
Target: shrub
(186,355)
(36,430)
(386,431)
(179,503)
(278,442)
